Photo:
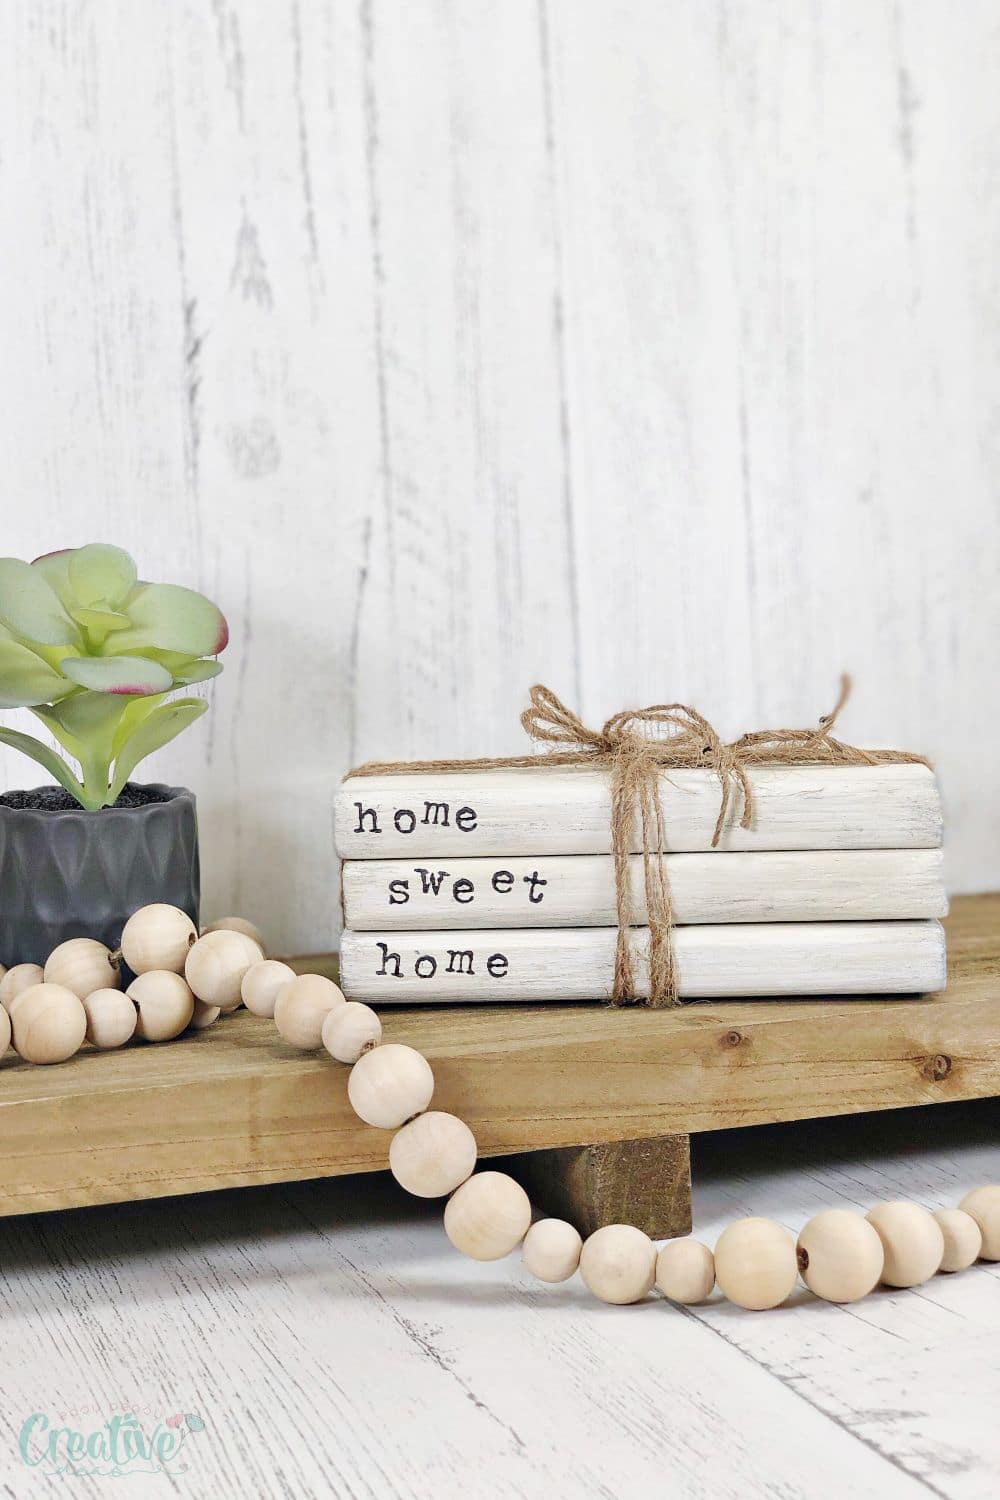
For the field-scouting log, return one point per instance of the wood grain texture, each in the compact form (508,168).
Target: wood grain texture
(232,1106)
(646,350)
(578,963)
(645,1183)
(578,890)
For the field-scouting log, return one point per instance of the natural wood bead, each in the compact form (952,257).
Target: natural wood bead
(618,1263)
(111,1018)
(389,1085)
(963,1239)
(158,936)
(488,1216)
(4,1031)
(840,1256)
(261,984)
(236,924)
(21,977)
(203,1015)
(983,1203)
(164,1002)
(302,1006)
(433,1154)
(49,1023)
(685,1271)
(349,1030)
(755,1263)
(912,1240)
(551,1250)
(82,965)
(216,964)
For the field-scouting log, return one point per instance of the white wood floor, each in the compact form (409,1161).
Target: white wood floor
(333,1344)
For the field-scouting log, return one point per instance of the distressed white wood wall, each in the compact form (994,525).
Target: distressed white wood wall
(649,348)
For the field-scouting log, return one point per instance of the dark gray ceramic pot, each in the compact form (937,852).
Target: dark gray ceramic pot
(71,873)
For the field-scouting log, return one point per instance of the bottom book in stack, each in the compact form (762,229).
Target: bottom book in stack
(577,963)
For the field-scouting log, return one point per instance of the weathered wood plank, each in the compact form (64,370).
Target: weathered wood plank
(232,1106)
(645,1183)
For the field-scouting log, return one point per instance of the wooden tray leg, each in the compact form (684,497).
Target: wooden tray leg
(645,1183)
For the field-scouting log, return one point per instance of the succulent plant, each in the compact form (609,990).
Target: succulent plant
(93,652)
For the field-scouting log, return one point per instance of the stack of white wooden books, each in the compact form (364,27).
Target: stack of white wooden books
(499,885)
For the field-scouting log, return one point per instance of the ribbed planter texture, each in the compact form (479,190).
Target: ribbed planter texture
(71,873)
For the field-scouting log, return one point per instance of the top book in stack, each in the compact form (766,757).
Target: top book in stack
(552,811)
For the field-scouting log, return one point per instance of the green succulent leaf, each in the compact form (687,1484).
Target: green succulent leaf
(100,622)
(157,730)
(135,712)
(131,676)
(100,575)
(172,618)
(47,759)
(198,671)
(87,718)
(25,679)
(54,568)
(31,608)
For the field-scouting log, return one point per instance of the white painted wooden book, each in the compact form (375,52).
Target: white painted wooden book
(739,959)
(578,890)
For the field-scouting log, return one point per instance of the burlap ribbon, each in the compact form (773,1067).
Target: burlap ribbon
(635,747)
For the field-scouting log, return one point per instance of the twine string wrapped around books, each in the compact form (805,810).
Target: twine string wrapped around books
(635,747)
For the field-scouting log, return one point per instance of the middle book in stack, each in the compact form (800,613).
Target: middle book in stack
(499,884)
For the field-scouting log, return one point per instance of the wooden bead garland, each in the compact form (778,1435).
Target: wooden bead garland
(261,983)
(963,1239)
(432,1155)
(685,1272)
(488,1216)
(390,1085)
(49,1024)
(301,1007)
(215,966)
(111,1018)
(20,977)
(913,1242)
(349,1030)
(82,965)
(236,924)
(164,1003)
(756,1264)
(618,1263)
(552,1249)
(840,1256)
(158,937)
(983,1204)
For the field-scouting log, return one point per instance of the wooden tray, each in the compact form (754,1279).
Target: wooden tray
(604,1099)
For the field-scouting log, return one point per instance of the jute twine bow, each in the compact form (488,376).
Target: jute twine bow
(635,747)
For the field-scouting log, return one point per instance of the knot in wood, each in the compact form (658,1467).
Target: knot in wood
(937,1067)
(733,1038)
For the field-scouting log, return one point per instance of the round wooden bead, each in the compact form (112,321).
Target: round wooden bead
(158,936)
(302,1006)
(4,1031)
(49,1023)
(433,1154)
(685,1271)
(82,965)
(216,964)
(389,1085)
(551,1250)
(164,1002)
(840,1256)
(618,1263)
(755,1263)
(21,977)
(349,1030)
(261,984)
(111,1018)
(203,1015)
(488,1216)
(236,924)
(912,1240)
(983,1203)
(963,1239)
